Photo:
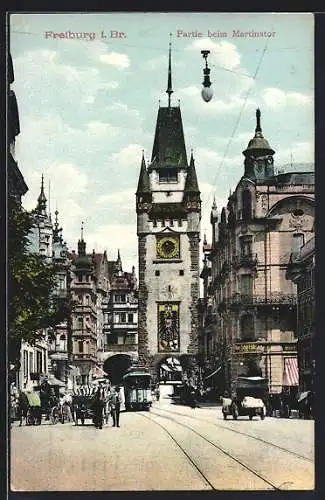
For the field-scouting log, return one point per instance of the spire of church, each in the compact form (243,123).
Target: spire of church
(41,201)
(169,90)
(191,184)
(214,211)
(144,181)
(81,242)
(56,228)
(169,144)
(119,262)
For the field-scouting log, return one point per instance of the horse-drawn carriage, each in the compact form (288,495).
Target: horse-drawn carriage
(90,404)
(248,396)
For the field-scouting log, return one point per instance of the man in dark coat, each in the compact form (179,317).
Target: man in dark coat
(115,404)
(99,404)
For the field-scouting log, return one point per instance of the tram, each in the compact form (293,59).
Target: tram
(137,389)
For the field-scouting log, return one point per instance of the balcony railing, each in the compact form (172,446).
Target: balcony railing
(120,347)
(84,308)
(273,298)
(84,357)
(245,261)
(60,293)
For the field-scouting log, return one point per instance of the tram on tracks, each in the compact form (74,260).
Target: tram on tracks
(137,389)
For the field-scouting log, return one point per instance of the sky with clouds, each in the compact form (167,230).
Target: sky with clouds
(88,107)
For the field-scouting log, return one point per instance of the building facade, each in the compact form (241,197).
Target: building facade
(168,209)
(34,358)
(301,271)
(119,347)
(250,305)
(60,337)
(16,189)
(89,285)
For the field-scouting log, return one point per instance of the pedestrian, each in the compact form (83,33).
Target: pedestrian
(115,405)
(157,392)
(99,404)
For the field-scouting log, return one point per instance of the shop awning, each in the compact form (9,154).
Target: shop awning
(166,368)
(55,382)
(303,396)
(290,373)
(213,373)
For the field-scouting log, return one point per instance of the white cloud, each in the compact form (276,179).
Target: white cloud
(277,98)
(114,199)
(117,59)
(300,152)
(223,53)
(111,237)
(40,75)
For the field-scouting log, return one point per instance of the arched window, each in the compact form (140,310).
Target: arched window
(247,205)
(247,327)
(298,239)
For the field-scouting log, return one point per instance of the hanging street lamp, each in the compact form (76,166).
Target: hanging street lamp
(207,91)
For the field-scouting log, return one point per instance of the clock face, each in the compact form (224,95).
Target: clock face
(168,247)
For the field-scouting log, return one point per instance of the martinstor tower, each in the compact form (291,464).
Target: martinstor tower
(168,227)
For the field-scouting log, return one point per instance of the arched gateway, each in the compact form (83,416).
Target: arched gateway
(116,366)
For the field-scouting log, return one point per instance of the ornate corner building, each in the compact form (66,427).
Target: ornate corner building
(168,209)
(249,309)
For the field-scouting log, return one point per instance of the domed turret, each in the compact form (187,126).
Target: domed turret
(258,155)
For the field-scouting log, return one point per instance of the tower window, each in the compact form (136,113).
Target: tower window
(81,346)
(247,205)
(181,272)
(247,327)
(297,243)
(168,175)
(246,246)
(157,273)
(154,223)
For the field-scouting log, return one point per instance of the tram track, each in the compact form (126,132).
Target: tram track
(256,438)
(214,445)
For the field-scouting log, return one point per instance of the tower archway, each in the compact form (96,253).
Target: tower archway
(116,367)
(170,370)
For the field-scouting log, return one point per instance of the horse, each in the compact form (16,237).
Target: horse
(22,409)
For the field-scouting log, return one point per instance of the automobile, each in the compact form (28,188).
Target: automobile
(247,398)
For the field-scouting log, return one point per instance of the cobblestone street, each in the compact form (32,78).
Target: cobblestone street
(169,448)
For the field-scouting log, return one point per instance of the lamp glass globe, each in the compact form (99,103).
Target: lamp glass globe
(207,94)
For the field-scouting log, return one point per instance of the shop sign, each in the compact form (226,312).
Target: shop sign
(250,348)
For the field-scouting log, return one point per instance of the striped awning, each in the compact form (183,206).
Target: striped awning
(290,373)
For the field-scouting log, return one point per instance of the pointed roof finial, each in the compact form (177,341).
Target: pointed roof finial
(192,159)
(258,121)
(41,205)
(169,90)
(82,231)
(214,204)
